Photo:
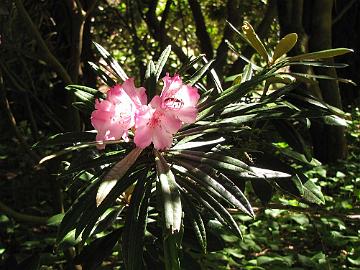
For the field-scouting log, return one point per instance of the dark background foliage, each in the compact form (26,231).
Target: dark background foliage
(46,45)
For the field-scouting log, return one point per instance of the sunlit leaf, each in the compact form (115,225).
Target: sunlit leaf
(284,46)
(218,187)
(190,64)
(334,120)
(162,61)
(113,64)
(115,174)
(191,145)
(255,41)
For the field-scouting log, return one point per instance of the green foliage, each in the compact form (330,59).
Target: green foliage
(187,207)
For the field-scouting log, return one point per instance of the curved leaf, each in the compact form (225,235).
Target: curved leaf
(284,46)
(255,41)
(320,54)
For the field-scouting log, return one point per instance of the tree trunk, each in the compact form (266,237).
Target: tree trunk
(347,18)
(311,20)
(331,141)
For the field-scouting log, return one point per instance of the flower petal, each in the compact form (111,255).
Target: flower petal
(143,136)
(137,95)
(161,138)
(187,115)
(170,123)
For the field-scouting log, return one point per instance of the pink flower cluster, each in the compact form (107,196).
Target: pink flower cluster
(126,107)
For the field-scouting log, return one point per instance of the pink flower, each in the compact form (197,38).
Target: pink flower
(115,115)
(163,117)
(154,124)
(179,99)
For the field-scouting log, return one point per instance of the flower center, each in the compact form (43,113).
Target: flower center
(155,119)
(173,103)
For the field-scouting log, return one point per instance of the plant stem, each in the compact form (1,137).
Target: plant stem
(20,216)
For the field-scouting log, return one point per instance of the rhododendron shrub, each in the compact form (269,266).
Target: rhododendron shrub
(125,107)
(182,161)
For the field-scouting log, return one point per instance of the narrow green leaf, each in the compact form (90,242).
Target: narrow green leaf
(233,189)
(211,184)
(114,65)
(213,159)
(170,194)
(191,145)
(150,80)
(67,138)
(162,61)
(150,69)
(237,52)
(86,164)
(73,214)
(318,64)
(55,220)
(212,204)
(334,120)
(190,64)
(199,73)
(82,88)
(109,219)
(264,173)
(288,153)
(311,192)
(115,174)
(246,75)
(196,221)
(321,77)
(320,54)
(103,76)
(232,94)
(215,78)
(86,98)
(73,148)
(87,222)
